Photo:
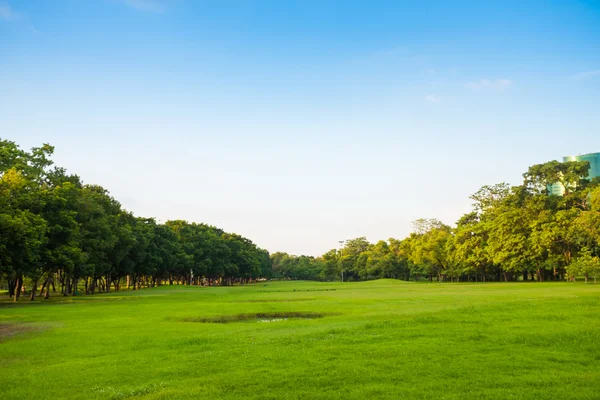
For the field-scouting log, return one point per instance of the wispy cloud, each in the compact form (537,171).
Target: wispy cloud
(490,84)
(146,5)
(433,99)
(585,75)
(6,12)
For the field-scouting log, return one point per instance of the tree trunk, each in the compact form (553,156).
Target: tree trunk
(47,286)
(74,286)
(44,285)
(67,287)
(33,290)
(18,285)
(12,284)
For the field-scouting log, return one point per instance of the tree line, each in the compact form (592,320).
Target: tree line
(512,233)
(56,231)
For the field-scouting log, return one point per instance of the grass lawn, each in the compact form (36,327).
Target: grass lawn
(379,339)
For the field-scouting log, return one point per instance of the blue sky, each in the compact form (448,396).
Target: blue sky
(301,123)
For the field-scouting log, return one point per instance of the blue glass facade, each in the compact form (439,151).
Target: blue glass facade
(592,158)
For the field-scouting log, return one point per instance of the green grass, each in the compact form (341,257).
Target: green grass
(380,339)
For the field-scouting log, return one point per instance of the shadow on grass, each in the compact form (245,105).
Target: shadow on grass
(271,301)
(262,317)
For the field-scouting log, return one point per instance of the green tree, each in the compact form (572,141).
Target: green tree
(584,264)
(428,250)
(569,175)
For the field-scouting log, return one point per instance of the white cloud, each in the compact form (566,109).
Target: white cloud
(488,84)
(6,12)
(585,75)
(146,5)
(433,99)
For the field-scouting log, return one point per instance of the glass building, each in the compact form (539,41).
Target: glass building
(594,160)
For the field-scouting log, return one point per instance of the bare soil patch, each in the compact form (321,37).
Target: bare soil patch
(272,301)
(10,329)
(261,317)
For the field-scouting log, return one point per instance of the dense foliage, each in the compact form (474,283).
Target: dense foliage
(55,229)
(521,232)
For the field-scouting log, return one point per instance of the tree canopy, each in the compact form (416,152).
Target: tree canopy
(55,229)
(521,232)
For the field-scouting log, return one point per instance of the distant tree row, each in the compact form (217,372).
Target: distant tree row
(55,230)
(522,232)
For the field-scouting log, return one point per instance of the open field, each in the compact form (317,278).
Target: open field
(378,339)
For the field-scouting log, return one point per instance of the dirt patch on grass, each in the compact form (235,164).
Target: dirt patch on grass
(296,290)
(272,301)
(10,329)
(258,317)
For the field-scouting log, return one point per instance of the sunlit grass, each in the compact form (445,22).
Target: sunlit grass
(379,339)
